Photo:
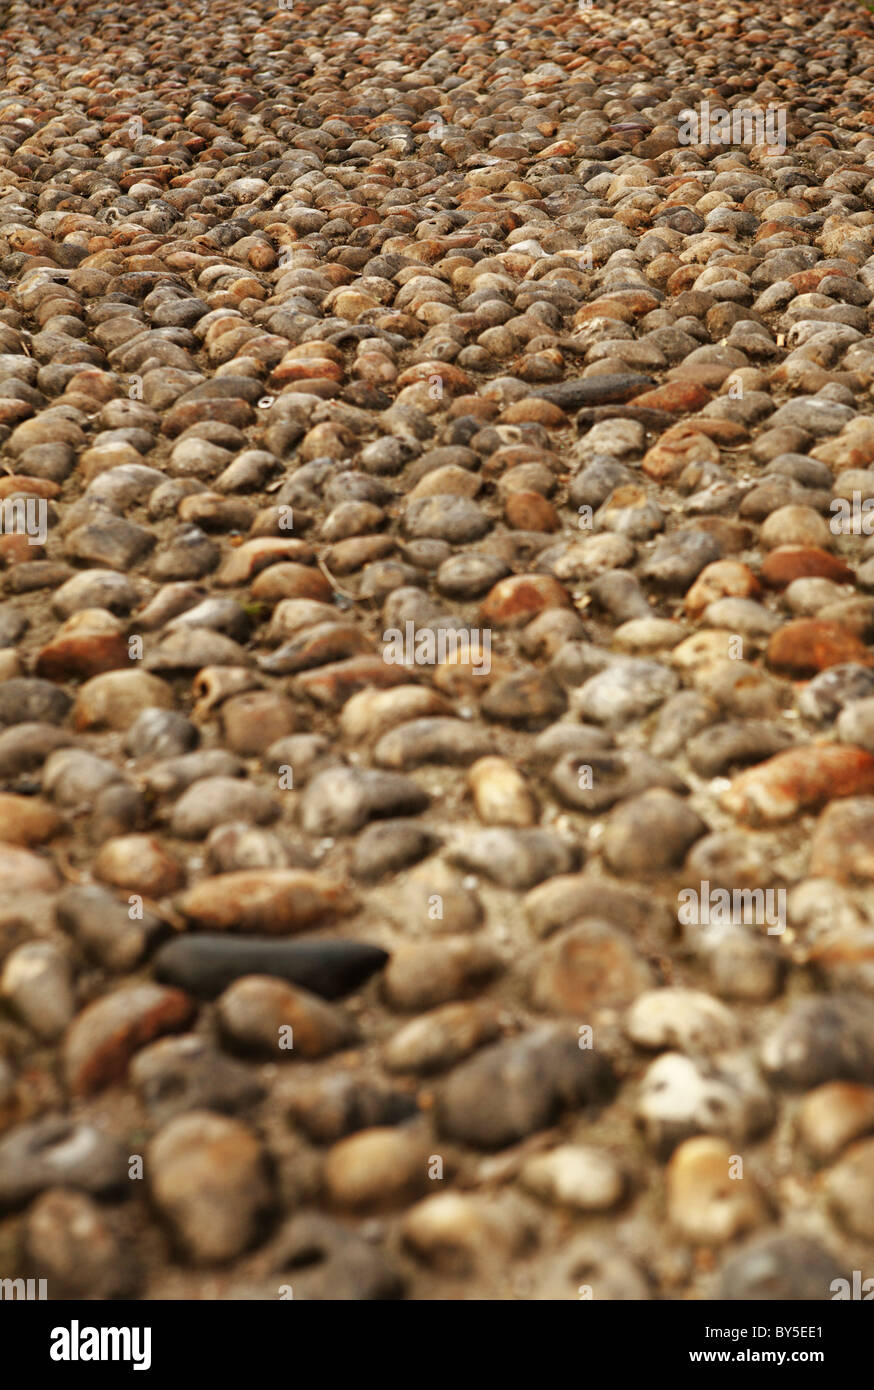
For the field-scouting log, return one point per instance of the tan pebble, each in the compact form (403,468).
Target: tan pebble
(707,1201)
(833,1115)
(27,820)
(457,1232)
(369,713)
(377,1168)
(115,699)
(139,863)
(500,793)
(425,974)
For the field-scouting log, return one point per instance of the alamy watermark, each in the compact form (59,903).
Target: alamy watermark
(862,1291)
(851,516)
(30,1290)
(25,516)
(719,907)
(427,646)
(744,125)
(76,1343)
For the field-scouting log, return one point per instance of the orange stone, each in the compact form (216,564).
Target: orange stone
(289,580)
(683,279)
(33,487)
(453,379)
(245,561)
(514,601)
(677,447)
(104,1036)
(480,407)
(710,375)
(16,548)
(532,409)
(306,369)
(808,645)
(634,302)
(463,677)
(728,433)
(807,281)
(801,779)
(227,410)
(528,511)
(82,654)
(789,562)
(676,397)
(602,309)
(12,412)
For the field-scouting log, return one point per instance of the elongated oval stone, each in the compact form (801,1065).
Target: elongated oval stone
(205,965)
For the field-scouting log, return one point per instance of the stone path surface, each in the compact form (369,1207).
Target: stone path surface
(436,649)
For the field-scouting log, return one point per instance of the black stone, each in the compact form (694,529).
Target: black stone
(595,390)
(206,964)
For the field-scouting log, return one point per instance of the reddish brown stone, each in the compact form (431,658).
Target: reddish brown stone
(588,968)
(466,679)
(807,281)
(683,279)
(16,549)
(502,460)
(454,381)
(288,580)
(243,562)
(808,645)
(82,654)
(328,642)
(101,386)
(479,406)
(27,820)
(790,562)
(676,397)
(832,1115)
(849,450)
(636,302)
(513,602)
(602,309)
(318,348)
(255,719)
(355,552)
(710,375)
(677,447)
(727,433)
(32,487)
(776,225)
(226,409)
(104,1037)
(528,511)
(801,779)
(266,900)
(532,409)
(13,411)
(450,480)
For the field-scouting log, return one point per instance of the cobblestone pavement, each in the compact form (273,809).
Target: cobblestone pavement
(436,649)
